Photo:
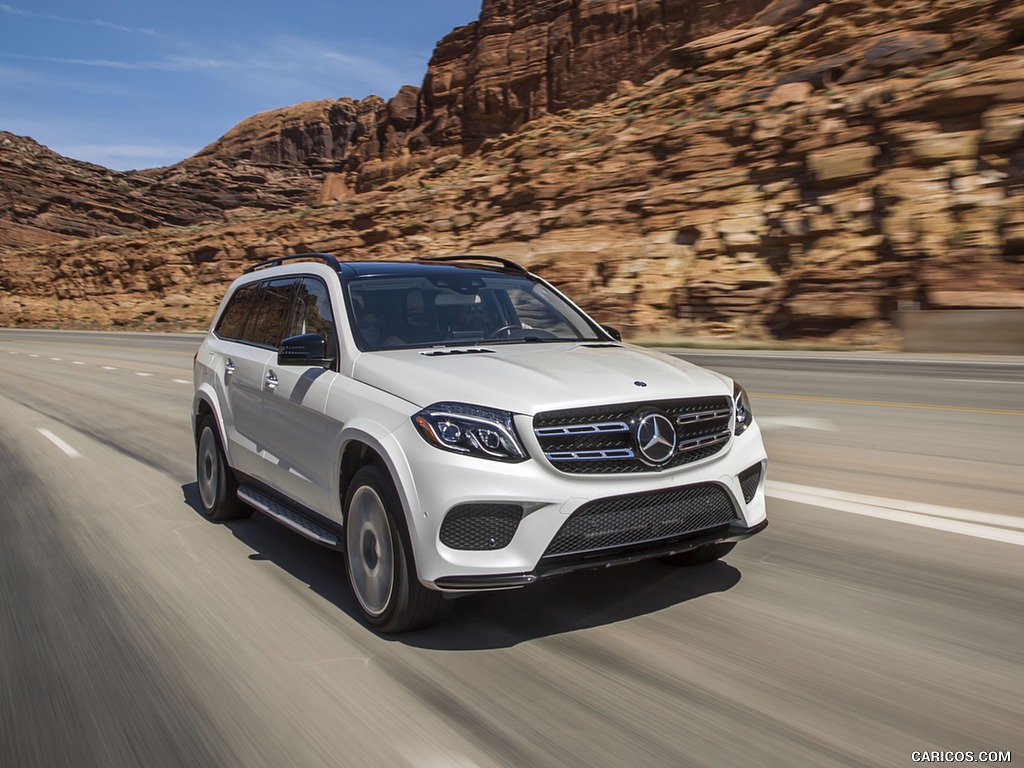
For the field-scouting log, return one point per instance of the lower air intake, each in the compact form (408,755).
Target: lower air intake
(624,521)
(749,480)
(480,526)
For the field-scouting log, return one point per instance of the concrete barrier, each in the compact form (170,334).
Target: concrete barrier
(984,331)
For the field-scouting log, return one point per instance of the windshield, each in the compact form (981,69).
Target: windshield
(452,310)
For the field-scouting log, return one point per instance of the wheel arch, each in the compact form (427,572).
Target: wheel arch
(363,445)
(206,403)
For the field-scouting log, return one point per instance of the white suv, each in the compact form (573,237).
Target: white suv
(456,424)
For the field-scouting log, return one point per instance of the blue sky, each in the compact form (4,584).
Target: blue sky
(139,84)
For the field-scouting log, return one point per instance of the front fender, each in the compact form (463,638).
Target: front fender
(385,445)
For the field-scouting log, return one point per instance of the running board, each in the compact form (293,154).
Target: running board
(288,517)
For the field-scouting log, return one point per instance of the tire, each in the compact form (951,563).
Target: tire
(378,558)
(218,487)
(705,553)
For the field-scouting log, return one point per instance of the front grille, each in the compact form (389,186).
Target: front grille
(480,526)
(602,440)
(623,521)
(749,480)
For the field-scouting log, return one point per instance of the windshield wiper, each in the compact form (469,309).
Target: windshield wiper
(530,340)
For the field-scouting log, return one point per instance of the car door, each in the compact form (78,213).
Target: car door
(239,372)
(246,374)
(294,404)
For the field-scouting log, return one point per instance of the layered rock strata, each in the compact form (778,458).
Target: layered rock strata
(803,185)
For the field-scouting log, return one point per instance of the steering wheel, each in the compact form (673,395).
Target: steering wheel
(506,329)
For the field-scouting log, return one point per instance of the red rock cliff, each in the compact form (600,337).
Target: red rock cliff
(527,57)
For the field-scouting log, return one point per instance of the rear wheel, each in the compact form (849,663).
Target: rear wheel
(380,566)
(218,487)
(705,553)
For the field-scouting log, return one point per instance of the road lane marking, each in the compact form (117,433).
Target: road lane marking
(60,443)
(987,381)
(796,422)
(78,362)
(109,368)
(56,358)
(966,522)
(141,373)
(181,381)
(883,404)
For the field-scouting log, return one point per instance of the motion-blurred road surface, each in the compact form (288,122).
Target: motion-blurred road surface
(880,614)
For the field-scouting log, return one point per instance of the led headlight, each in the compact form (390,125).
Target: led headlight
(744,416)
(472,430)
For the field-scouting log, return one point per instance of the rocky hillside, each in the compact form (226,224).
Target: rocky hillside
(272,161)
(799,171)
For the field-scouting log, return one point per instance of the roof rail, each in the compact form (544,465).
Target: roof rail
(511,266)
(325,257)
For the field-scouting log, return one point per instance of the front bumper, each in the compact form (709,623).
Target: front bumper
(603,559)
(433,482)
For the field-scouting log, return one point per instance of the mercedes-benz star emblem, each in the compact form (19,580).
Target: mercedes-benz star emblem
(656,438)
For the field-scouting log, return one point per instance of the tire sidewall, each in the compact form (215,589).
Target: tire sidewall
(404,568)
(221,498)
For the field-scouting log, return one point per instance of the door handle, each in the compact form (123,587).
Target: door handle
(229,367)
(271,380)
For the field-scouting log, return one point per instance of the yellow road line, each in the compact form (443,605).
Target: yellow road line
(883,404)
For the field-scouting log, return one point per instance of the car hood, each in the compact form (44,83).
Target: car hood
(530,378)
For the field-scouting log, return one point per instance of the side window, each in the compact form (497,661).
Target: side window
(272,318)
(312,310)
(232,322)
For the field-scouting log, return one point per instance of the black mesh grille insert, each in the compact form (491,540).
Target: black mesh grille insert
(642,518)
(602,439)
(749,479)
(480,526)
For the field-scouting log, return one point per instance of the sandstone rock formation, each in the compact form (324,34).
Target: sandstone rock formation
(865,156)
(526,58)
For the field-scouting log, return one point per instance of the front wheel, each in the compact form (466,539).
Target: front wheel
(218,487)
(705,553)
(380,566)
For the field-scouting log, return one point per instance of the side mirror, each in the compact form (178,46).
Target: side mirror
(613,332)
(305,350)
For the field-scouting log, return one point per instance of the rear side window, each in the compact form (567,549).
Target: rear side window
(274,315)
(232,322)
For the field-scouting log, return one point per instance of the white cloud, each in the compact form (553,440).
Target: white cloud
(105,63)
(82,22)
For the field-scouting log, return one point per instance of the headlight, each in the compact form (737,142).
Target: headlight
(472,430)
(741,401)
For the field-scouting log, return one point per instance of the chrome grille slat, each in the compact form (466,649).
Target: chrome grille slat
(622,453)
(690,418)
(702,442)
(601,440)
(584,429)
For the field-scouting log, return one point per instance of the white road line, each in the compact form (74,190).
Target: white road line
(966,522)
(59,443)
(32,354)
(987,381)
(142,373)
(56,358)
(796,422)
(78,362)
(181,381)
(109,368)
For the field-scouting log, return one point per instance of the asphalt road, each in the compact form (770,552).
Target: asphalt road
(881,614)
